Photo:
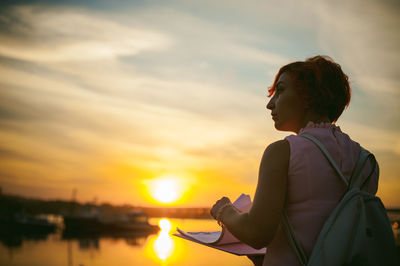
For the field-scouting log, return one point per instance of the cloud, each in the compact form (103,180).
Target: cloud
(363,35)
(249,53)
(52,35)
(376,139)
(135,114)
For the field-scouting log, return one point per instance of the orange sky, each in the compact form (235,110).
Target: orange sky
(106,99)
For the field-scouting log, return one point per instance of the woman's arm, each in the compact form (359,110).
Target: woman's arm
(257,227)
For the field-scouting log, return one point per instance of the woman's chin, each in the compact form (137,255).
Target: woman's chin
(278,126)
(282,127)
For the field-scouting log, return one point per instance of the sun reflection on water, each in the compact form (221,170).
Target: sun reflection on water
(164,245)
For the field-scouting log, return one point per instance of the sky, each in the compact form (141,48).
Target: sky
(107,97)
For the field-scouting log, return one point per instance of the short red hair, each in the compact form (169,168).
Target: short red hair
(322,82)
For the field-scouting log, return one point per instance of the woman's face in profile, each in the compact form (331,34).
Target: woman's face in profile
(288,107)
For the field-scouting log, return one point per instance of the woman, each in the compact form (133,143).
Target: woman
(307,97)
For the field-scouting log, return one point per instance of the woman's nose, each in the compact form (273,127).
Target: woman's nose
(270,104)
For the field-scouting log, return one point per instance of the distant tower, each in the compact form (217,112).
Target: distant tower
(73,202)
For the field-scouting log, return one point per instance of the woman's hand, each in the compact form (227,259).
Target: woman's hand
(216,209)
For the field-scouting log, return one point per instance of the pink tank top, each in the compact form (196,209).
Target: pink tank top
(314,188)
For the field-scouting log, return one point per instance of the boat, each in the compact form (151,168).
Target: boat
(93,224)
(23,224)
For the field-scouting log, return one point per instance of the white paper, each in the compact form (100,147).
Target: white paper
(243,204)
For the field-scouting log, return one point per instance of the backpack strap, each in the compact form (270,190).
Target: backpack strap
(356,176)
(328,156)
(366,181)
(294,243)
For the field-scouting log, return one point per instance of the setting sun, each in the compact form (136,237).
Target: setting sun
(166,189)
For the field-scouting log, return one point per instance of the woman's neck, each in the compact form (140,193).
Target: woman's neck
(315,118)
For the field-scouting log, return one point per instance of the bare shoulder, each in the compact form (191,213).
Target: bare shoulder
(280,144)
(275,160)
(278,150)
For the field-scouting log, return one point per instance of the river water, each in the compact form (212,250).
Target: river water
(156,249)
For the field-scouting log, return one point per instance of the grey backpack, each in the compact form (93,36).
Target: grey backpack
(357,232)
